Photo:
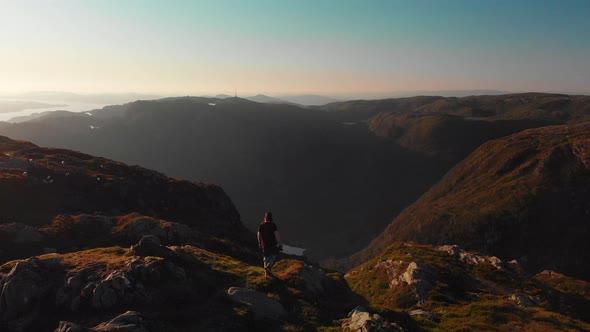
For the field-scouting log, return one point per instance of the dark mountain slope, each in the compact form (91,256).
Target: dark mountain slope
(38,185)
(524,196)
(129,249)
(329,184)
(332,184)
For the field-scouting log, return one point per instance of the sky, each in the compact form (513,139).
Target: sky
(282,47)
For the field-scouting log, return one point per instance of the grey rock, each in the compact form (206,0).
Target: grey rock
(104,296)
(149,245)
(129,321)
(262,306)
(21,293)
(472,258)
(168,232)
(143,226)
(524,300)
(71,327)
(414,274)
(314,279)
(88,290)
(360,320)
(423,313)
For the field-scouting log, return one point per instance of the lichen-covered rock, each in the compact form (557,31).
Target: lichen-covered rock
(262,306)
(524,300)
(423,313)
(360,320)
(413,274)
(472,258)
(130,321)
(22,292)
(71,327)
(314,279)
(166,232)
(149,245)
(104,296)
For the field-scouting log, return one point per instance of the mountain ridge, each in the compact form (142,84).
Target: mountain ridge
(536,182)
(361,165)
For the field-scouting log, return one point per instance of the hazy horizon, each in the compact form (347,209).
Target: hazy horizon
(340,49)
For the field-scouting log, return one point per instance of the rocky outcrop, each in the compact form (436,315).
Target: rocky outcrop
(22,293)
(135,283)
(360,320)
(457,286)
(149,245)
(524,300)
(166,232)
(423,314)
(414,274)
(261,305)
(473,258)
(314,279)
(130,321)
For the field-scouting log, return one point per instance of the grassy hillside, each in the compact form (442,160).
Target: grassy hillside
(447,289)
(521,197)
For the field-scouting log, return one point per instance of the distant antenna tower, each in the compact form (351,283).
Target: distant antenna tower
(236,95)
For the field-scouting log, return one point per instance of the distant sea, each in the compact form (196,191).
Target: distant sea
(70,106)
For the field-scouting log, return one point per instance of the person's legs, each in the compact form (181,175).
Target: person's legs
(270,261)
(270,258)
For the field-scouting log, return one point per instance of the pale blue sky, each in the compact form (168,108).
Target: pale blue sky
(338,47)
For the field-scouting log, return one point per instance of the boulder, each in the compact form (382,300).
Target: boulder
(262,306)
(142,226)
(413,274)
(77,287)
(22,292)
(472,258)
(129,321)
(149,245)
(360,320)
(113,289)
(314,279)
(424,314)
(524,300)
(167,232)
(104,296)
(71,327)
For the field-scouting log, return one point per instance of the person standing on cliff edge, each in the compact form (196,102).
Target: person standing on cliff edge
(269,241)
